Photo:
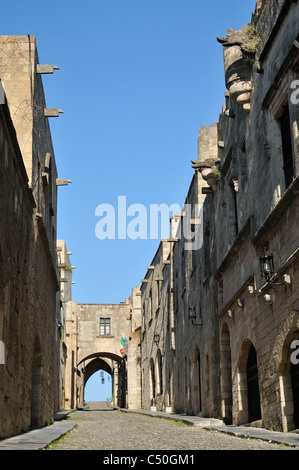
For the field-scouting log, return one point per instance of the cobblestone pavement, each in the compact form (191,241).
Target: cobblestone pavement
(101,428)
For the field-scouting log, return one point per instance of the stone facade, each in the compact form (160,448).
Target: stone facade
(93,334)
(256,315)
(211,331)
(177,295)
(215,337)
(225,333)
(28,267)
(66,322)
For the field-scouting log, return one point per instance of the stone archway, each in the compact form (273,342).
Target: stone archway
(113,364)
(94,365)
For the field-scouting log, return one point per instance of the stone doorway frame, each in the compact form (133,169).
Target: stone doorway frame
(285,382)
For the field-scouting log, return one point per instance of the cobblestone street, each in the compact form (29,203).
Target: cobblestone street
(101,428)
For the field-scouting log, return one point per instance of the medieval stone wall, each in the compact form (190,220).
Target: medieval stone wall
(28,299)
(226,317)
(28,264)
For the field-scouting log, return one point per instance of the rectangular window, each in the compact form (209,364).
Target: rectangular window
(287,150)
(104,326)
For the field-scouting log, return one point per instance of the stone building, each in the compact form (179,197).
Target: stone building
(66,322)
(156,337)
(100,337)
(174,339)
(178,345)
(258,137)
(214,327)
(219,322)
(28,266)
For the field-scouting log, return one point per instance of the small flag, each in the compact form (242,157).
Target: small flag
(123,341)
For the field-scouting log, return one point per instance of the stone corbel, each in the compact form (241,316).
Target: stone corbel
(210,177)
(45,69)
(229,113)
(231,314)
(47,169)
(235,185)
(208,172)
(62,182)
(52,112)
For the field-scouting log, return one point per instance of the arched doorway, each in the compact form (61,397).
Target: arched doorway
(248,407)
(225,375)
(36,386)
(253,393)
(295,391)
(153,382)
(196,382)
(289,381)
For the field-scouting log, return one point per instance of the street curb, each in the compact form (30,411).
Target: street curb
(37,439)
(275,437)
(245,432)
(186,419)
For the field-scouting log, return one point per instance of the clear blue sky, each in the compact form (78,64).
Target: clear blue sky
(137,80)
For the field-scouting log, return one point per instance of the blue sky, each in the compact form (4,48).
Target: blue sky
(137,80)
(95,390)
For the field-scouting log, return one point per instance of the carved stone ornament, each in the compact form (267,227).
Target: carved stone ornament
(239,48)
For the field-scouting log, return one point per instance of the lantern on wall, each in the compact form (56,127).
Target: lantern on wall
(267,266)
